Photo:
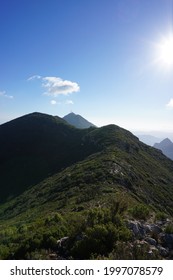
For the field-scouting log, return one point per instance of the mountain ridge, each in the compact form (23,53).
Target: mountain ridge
(47,144)
(99,181)
(37,145)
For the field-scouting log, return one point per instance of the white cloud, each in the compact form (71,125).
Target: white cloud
(69,102)
(53,102)
(34,78)
(56,86)
(170,103)
(3,94)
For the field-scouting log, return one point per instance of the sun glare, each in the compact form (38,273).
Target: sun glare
(165,51)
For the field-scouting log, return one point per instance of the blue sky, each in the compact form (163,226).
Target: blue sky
(104,59)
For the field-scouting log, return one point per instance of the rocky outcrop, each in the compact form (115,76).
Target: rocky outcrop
(155,235)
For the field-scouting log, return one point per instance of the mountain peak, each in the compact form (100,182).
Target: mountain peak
(166,141)
(166,146)
(78,121)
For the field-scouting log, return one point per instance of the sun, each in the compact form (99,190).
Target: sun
(165,51)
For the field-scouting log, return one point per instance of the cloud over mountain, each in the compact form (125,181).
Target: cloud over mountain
(56,86)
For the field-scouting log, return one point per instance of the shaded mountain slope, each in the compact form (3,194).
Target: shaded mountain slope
(121,163)
(91,203)
(35,146)
(78,121)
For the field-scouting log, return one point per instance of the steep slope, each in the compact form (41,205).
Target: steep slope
(35,146)
(77,121)
(166,146)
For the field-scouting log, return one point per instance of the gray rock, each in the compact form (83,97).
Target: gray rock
(152,250)
(136,227)
(167,240)
(163,251)
(147,228)
(151,241)
(155,229)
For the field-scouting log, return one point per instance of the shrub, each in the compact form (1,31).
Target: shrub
(160,216)
(98,216)
(140,211)
(124,233)
(169,229)
(118,205)
(4,252)
(98,240)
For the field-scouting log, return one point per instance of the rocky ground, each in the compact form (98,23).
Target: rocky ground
(157,237)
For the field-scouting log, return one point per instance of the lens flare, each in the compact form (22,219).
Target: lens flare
(166,51)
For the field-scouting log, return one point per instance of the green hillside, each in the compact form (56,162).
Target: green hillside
(104,178)
(35,146)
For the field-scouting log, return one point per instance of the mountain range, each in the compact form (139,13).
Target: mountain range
(83,188)
(166,146)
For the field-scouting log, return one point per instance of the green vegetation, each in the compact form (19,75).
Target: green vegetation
(169,228)
(58,181)
(140,211)
(160,216)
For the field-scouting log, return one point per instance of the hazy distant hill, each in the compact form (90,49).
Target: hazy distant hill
(148,139)
(77,121)
(166,146)
(96,187)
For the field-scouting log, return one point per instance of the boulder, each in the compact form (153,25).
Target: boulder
(152,250)
(151,241)
(154,229)
(163,251)
(167,240)
(136,227)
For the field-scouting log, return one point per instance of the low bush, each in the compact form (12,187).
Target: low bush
(140,211)
(169,228)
